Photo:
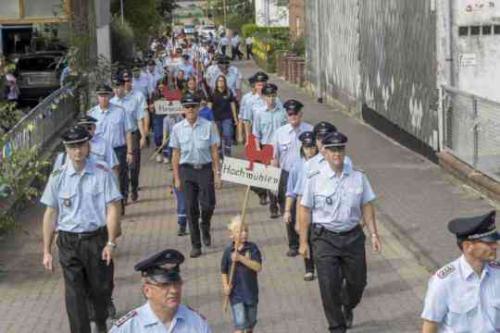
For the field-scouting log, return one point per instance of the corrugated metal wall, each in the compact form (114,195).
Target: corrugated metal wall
(337,56)
(398,64)
(383,53)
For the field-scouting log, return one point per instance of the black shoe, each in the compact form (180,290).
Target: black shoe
(134,196)
(111,309)
(348,316)
(101,327)
(182,231)
(275,214)
(292,253)
(207,239)
(195,252)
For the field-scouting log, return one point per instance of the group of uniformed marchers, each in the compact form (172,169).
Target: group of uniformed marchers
(325,201)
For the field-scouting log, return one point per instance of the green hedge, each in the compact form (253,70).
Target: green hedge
(252,29)
(267,42)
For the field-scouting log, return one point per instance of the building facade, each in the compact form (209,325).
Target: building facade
(271,13)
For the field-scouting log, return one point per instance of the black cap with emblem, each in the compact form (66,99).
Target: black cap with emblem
(86,120)
(293,106)
(261,77)
(334,139)
(162,267)
(323,128)
(76,135)
(307,138)
(269,89)
(190,99)
(103,89)
(481,228)
(251,80)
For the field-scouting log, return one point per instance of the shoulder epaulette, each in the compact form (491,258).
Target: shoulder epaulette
(494,264)
(199,314)
(445,271)
(313,173)
(125,318)
(102,167)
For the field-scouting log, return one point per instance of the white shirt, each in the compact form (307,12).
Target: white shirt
(461,301)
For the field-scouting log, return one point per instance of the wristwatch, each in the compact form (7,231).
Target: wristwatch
(111,244)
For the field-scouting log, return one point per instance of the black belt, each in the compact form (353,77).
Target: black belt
(197,166)
(87,234)
(320,228)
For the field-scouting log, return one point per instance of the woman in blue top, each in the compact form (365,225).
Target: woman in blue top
(307,151)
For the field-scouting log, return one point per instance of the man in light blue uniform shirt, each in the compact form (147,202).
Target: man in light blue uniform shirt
(82,199)
(286,150)
(231,73)
(196,169)
(135,105)
(100,150)
(114,124)
(270,119)
(464,295)
(187,67)
(336,199)
(163,312)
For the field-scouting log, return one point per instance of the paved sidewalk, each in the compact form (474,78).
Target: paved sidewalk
(414,195)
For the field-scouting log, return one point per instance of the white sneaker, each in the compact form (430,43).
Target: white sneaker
(159,158)
(166,160)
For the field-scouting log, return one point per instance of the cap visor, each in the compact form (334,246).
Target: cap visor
(166,277)
(490,238)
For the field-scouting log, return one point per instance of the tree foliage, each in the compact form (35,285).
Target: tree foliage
(238,12)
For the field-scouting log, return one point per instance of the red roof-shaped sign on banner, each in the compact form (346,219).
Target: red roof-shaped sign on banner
(264,155)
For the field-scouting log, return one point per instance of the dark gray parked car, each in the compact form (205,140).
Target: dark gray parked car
(38,74)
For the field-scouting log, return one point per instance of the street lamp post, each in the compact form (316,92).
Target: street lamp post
(121,10)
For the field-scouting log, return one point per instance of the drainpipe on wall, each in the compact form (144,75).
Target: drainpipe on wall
(319,89)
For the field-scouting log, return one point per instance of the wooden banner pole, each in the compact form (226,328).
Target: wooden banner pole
(237,244)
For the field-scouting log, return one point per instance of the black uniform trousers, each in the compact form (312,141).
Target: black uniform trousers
(293,237)
(135,167)
(121,155)
(86,275)
(339,257)
(199,192)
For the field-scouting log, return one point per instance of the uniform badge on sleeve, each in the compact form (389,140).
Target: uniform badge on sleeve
(124,319)
(445,271)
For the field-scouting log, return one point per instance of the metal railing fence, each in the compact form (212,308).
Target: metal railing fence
(43,122)
(472,130)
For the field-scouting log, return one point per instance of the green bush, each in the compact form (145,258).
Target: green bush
(122,40)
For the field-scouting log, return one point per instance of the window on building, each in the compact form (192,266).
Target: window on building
(463,31)
(496,29)
(475,30)
(12,10)
(486,29)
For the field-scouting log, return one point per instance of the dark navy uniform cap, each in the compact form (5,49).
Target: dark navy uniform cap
(185,56)
(162,267)
(125,75)
(86,120)
(269,89)
(480,228)
(307,138)
(261,77)
(251,80)
(103,89)
(190,99)
(293,105)
(334,139)
(323,128)
(117,80)
(75,135)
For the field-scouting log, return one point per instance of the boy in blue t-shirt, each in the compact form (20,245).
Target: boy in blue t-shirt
(205,111)
(243,293)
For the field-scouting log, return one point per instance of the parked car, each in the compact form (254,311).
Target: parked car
(206,30)
(38,74)
(189,29)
